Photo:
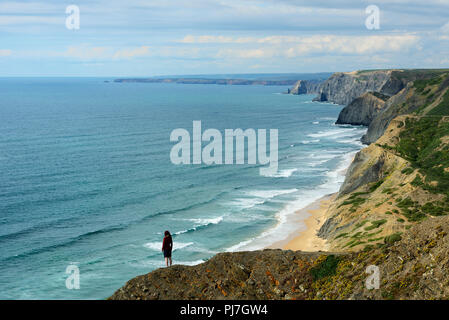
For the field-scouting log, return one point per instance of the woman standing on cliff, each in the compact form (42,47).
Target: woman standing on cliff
(167,246)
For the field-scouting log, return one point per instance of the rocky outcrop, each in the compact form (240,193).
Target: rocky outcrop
(359,173)
(305,87)
(423,91)
(344,87)
(362,110)
(411,266)
(267,274)
(380,122)
(394,93)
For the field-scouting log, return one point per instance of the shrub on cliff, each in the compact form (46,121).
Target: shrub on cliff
(326,268)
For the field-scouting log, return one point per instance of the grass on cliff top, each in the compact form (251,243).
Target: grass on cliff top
(421,84)
(393,238)
(326,268)
(443,108)
(419,74)
(375,224)
(420,144)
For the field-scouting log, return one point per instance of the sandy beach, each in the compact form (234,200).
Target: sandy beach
(307,240)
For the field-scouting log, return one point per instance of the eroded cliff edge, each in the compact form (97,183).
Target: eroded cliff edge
(306,87)
(375,97)
(412,268)
(402,178)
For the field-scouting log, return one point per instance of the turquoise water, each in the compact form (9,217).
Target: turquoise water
(86,178)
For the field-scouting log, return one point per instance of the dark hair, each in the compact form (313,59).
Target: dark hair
(167,233)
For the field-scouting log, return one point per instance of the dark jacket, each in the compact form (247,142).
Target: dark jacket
(167,244)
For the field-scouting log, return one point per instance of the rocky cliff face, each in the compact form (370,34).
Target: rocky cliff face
(395,91)
(414,267)
(391,185)
(362,110)
(344,87)
(422,90)
(305,87)
(380,122)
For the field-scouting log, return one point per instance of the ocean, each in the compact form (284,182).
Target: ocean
(86,178)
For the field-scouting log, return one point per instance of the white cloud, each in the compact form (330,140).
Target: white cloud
(357,44)
(190,39)
(445,28)
(132,53)
(293,46)
(206,39)
(29,20)
(246,53)
(85,52)
(5,52)
(23,8)
(354,44)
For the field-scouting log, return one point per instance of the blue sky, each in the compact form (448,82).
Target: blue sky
(167,37)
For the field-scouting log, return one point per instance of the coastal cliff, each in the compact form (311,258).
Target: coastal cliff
(402,177)
(393,184)
(391,212)
(344,87)
(362,110)
(374,98)
(423,89)
(305,87)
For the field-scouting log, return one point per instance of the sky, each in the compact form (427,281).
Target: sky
(138,38)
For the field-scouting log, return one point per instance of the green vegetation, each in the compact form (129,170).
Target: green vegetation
(356,235)
(393,238)
(421,144)
(408,170)
(418,74)
(367,235)
(363,237)
(378,204)
(435,208)
(387,295)
(389,190)
(443,108)
(375,224)
(380,95)
(355,200)
(411,210)
(326,268)
(341,235)
(421,84)
(376,185)
(360,224)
